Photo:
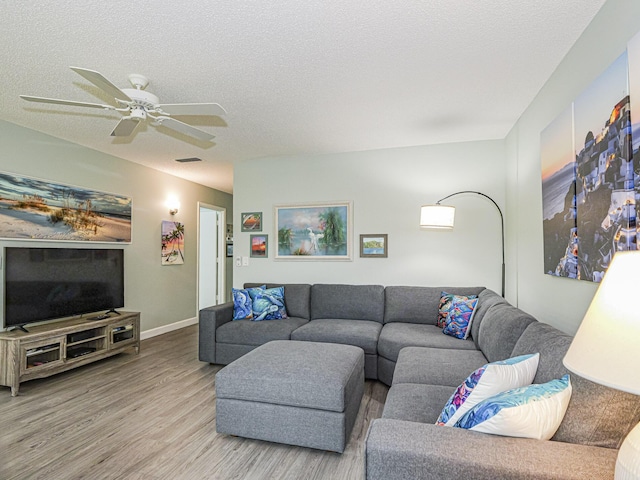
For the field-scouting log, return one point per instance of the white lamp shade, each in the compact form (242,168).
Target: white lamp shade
(437,216)
(606,347)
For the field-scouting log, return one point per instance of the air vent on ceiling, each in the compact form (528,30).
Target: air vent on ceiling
(187,160)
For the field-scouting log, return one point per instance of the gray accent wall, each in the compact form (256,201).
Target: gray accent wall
(163,294)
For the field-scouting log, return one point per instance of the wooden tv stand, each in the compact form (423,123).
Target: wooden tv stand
(59,346)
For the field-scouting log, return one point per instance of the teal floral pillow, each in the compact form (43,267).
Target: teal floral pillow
(446,302)
(269,304)
(535,411)
(458,323)
(243,302)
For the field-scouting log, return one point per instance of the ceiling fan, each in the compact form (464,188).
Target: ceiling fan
(136,105)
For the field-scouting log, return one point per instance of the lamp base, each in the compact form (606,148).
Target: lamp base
(628,463)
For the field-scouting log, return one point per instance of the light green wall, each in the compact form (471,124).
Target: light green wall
(164,295)
(559,301)
(387,188)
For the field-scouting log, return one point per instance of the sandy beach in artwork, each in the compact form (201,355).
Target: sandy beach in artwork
(33,223)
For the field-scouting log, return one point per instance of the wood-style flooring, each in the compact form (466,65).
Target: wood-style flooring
(152,416)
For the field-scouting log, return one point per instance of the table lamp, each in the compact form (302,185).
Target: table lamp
(606,347)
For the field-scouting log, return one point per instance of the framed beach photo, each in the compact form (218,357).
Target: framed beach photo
(251,222)
(374,245)
(318,231)
(34,209)
(259,246)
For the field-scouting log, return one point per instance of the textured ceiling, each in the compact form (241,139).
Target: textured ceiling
(296,76)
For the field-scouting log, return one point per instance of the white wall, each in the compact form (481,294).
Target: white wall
(387,188)
(559,301)
(163,294)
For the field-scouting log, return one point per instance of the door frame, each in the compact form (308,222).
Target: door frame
(222,254)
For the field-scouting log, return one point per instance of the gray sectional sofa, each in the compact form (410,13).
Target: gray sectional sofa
(395,326)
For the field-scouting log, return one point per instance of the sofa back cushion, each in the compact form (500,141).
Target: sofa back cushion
(350,302)
(486,299)
(418,304)
(296,297)
(500,329)
(597,415)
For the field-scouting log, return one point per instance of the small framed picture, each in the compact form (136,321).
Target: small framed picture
(229,249)
(259,246)
(251,222)
(374,245)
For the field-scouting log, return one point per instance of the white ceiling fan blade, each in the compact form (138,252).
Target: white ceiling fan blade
(182,127)
(29,98)
(125,127)
(192,109)
(102,83)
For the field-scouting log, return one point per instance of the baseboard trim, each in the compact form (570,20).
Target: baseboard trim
(154,332)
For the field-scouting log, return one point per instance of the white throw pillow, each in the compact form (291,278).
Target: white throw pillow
(535,411)
(487,381)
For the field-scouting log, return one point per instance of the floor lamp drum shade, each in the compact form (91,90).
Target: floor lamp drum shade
(437,216)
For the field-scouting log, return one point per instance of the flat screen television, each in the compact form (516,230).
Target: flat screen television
(49,283)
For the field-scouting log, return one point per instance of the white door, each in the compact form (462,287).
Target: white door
(211,228)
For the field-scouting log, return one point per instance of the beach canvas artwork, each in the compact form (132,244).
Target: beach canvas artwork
(35,209)
(314,232)
(585,224)
(172,243)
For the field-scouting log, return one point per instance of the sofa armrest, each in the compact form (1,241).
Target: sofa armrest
(210,319)
(400,450)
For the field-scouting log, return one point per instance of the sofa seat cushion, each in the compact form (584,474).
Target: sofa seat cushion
(416,403)
(436,366)
(360,333)
(395,336)
(248,332)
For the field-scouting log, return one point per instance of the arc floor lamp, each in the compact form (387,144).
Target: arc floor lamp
(442,216)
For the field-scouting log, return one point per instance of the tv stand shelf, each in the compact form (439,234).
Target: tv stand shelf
(59,346)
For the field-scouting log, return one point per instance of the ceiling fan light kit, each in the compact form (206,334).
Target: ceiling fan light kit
(138,105)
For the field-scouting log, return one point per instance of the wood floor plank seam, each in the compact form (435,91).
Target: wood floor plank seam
(152,416)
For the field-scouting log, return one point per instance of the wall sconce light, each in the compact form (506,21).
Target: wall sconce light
(174,205)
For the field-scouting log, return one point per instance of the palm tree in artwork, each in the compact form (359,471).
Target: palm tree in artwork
(177,235)
(174,239)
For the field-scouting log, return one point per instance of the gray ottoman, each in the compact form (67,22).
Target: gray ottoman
(298,393)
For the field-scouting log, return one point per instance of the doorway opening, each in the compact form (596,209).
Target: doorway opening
(211,255)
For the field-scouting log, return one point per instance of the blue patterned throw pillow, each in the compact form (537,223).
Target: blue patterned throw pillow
(446,302)
(269,304)
(243,302)
(458,322)
(535,411)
